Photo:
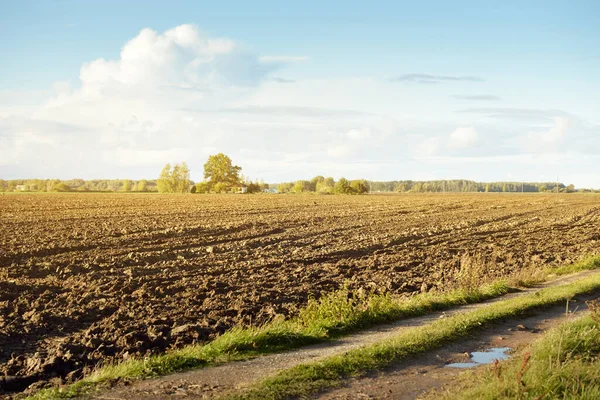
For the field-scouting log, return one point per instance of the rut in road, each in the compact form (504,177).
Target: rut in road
(215,381)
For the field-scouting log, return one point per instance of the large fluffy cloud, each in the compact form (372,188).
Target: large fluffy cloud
(181,95)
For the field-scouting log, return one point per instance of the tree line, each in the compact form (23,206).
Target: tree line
(322,185)
(222,176)
(461,185)
(77,185)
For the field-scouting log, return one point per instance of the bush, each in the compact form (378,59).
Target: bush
(221,188)
(202,187)
(61,187)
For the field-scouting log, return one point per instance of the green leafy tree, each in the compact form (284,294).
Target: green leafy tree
(254,187)
(285,187)
(359,186)
(126,185)
(342,187)
(164,182)
(220,169)
(316,181)
(61,187)
(174,179)
(142,186)
(325,186)
(221,187)
(202,187)
(301,186)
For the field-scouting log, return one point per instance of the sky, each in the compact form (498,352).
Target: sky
(381,90)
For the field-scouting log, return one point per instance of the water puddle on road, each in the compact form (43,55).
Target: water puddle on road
(483,357)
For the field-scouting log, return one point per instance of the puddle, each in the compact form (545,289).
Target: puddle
(483,357)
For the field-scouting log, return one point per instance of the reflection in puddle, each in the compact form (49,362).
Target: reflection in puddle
(483,357)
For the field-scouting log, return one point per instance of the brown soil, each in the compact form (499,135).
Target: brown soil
(88,278)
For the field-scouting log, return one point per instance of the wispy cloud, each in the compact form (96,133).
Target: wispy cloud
(282,80)
(283,59)
(427,78)
(478,97)
(294,111)
(521,114)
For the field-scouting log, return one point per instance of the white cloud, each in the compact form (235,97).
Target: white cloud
(427,147)
(360,134)
(548,139)
(180,94)
(286,59)
(123,156)
(463,137)
(181,57)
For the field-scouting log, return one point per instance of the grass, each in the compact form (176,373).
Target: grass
(308,378)
(588,263)
(562,365)
(332,315)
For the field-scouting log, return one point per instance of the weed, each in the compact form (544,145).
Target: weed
(594,307)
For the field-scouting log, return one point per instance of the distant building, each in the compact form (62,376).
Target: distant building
(20,188)
(239,189)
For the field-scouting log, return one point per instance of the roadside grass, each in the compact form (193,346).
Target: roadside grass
(331,316)
(563,364)
(532,276)
(588,263)
(308,378)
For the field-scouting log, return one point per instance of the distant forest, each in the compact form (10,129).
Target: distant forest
(327,185)
(318,184)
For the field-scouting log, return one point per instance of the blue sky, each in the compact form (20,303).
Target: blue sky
(485,90)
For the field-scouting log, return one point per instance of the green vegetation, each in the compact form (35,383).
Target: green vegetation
(462,185)
(220,170)
(305,379)
(61,187)
(322,185)
(330,316)
(127,185)
(221,176)
(75,185)
(585,264)
(142,186)
(175,179)
(562,365)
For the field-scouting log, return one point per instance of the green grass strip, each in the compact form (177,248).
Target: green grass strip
(308,378)
(588,263)
(331,316)
(562,365)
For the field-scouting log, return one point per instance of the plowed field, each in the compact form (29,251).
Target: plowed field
(92,277)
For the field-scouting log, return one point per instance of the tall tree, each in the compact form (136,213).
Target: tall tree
(126,185)
(142,186)
(220,169)
(342,187)
(174,179)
